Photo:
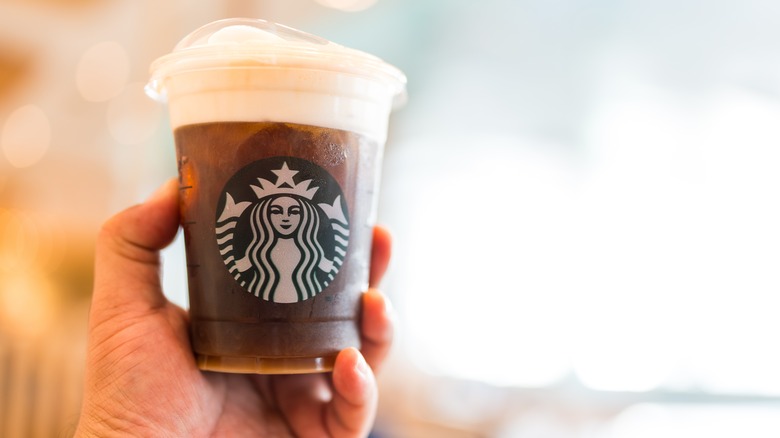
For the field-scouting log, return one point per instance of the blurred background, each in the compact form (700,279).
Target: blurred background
(584,199)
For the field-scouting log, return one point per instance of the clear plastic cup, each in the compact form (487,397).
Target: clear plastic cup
(279,139)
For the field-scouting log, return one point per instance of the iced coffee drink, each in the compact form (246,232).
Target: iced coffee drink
(279,137)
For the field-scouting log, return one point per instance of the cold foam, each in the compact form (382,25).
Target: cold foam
(253,70)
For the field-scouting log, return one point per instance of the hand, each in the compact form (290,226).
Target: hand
(141,377)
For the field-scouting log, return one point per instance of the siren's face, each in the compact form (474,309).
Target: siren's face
(285,215)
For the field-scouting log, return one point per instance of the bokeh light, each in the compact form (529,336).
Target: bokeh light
(650,420)
(485,292)
(102,71)
(26,291)
(27,304)
(26,136)
(132,117)
(20,240)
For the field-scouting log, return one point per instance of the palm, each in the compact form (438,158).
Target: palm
(215,404)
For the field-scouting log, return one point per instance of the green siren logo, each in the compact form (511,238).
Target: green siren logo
(282,228)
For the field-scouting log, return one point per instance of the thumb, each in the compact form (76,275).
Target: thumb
(127,255)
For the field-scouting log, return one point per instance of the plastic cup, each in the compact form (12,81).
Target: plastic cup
(279,140)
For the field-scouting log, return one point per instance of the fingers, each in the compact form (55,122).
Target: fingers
(353,407)
(376,328)
(300,397)
(380,255)
(127,253)
(347,406)
(376,322)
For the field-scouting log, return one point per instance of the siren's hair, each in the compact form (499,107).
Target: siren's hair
(264,238)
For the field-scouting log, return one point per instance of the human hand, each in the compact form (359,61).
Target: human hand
(141,378)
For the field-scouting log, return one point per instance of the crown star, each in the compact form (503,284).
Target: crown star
(285,175)
(284,185)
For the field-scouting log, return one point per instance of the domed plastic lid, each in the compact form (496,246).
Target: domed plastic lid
(248,42)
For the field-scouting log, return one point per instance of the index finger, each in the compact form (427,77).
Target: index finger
(127,252)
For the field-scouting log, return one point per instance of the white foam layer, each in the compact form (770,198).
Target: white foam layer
(254,70)
(250,93)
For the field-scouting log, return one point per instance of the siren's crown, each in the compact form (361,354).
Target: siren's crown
(284,185)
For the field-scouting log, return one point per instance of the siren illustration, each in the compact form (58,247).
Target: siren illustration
(282,241)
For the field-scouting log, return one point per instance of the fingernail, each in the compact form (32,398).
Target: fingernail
(361,366)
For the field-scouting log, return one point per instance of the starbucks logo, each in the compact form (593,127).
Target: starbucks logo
(282,228)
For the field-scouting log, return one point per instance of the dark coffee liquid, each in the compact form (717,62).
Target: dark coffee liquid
(234,328)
